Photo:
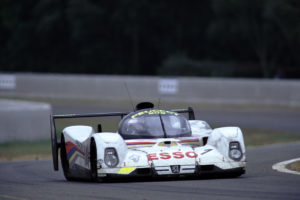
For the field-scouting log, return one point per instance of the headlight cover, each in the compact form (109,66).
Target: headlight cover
(235,152)
(111,157)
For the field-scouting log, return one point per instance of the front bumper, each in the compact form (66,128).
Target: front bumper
(183,171)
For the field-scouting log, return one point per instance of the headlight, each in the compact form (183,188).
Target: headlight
(111,157)
(235,151)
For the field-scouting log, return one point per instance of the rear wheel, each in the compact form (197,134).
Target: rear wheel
(64,159)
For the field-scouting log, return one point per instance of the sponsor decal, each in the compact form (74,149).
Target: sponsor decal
(8,82)
(175,155)
(152,156)
(175,169)
(168,86)
(178,155)
(206,151)
(73,152)
(134,158)
(154,112)
(191,154)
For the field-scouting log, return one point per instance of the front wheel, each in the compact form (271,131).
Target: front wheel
(236,173)
(93,162)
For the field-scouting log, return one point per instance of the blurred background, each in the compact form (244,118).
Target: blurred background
(210,38)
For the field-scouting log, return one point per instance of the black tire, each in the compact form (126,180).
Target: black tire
(54,144)
(64,159)
(236,174)
(93,161)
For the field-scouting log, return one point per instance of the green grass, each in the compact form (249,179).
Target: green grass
(255,137)
(42,149)
(295,166)
(25,150)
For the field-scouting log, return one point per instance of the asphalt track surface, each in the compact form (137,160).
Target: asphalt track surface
(36,180)
(24,180)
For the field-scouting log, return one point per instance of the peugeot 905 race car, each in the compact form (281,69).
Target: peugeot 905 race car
(148,142)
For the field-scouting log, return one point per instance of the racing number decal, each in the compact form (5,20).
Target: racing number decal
(176,155)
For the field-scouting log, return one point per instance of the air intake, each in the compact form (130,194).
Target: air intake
(144,105)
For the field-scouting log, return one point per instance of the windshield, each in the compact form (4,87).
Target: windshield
(154,124)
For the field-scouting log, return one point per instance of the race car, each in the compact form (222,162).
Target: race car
(149,142)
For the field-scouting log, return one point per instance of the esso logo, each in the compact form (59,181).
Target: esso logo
(175,155)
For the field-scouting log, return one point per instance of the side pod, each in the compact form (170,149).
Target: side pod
(221,138)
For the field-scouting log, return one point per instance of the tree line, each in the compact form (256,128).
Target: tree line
(229,38)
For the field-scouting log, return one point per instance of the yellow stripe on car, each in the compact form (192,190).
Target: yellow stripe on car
(74,155)
(126,170)
(140,145)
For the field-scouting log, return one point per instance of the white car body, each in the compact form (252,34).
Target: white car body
(205,151)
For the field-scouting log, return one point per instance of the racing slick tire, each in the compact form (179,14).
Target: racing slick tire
(93,162)
(238,173)
(235,173)
(64,160)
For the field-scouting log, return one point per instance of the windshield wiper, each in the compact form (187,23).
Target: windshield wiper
(163,126)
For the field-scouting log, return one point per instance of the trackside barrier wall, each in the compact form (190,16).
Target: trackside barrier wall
(24,121)
(173,89)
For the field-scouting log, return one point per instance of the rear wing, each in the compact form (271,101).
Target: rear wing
(189,111)
(55,143)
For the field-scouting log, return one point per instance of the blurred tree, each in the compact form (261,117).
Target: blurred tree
(286,16)
(15,20)
(147,37)
(258,25)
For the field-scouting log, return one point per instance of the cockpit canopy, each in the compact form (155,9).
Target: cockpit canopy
(151,123)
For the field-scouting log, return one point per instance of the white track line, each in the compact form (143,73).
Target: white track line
(281,167)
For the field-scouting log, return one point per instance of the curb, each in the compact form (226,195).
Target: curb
(282,166)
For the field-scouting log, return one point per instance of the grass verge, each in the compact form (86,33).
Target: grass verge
(295,166)
(25,150)
(42,149)
(256,137)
